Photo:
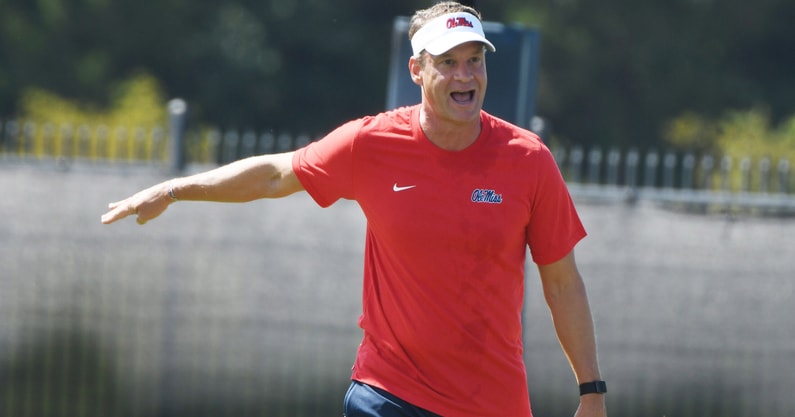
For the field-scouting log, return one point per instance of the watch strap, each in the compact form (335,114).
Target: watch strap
(593,387)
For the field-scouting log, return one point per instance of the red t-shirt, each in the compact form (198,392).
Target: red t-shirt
(447,233)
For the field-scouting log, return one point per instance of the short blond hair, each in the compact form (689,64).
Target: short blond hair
(421,17)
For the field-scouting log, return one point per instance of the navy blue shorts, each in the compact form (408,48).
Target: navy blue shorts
(363,400)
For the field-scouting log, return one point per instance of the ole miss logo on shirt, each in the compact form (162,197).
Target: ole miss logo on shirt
(486,196)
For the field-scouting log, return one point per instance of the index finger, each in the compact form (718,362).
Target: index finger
(116,211)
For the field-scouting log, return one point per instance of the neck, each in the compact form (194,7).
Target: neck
(450,135)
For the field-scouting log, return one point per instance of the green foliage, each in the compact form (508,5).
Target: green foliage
(136,105)
(748,136)
(737,134)
(691,132)
(136,102)
(751,134)
(613,73)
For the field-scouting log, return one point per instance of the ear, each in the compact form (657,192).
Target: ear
(414,70)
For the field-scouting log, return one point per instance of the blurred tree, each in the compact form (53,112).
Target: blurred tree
(691,132)
(300,65)
(745,137)
(613,73)
(135,103)
(78,49)
(751,134)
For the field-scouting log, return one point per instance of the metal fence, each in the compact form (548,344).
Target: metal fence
(702,181)
(28,140)
(671,170)
(689,180)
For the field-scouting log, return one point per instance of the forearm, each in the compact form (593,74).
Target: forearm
(244,180)
(574,326)
(571,314)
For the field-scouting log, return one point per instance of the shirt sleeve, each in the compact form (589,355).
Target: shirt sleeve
(325,167)
(555,227)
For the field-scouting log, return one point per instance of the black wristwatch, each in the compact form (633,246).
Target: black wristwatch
(593,387)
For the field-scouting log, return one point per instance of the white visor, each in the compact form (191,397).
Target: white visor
(445,32)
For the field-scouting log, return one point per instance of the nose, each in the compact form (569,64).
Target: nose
(463,73)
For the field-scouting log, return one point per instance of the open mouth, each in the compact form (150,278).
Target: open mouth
(463,97)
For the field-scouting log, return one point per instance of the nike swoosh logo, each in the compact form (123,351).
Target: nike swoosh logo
(396,189)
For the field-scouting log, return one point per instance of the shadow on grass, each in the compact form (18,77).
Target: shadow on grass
(68,373)
(59,373)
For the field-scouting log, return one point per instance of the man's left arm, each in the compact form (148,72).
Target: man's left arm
(568,304)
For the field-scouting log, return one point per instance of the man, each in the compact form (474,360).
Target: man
(453,197)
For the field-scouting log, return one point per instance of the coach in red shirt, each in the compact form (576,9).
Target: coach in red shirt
(453,196)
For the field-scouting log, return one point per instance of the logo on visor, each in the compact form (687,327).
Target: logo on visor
(455,22)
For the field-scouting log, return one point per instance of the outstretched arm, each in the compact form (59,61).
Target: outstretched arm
(264,176)
(565,294)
